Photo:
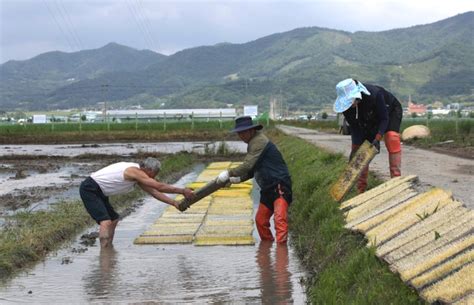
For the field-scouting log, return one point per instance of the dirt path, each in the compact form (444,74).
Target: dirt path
(433,169)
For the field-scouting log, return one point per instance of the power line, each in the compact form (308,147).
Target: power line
(147,23)
(70,24)
(140,26)
(59,25)
(62,19)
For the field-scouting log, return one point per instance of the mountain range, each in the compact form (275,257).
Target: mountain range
(299,67)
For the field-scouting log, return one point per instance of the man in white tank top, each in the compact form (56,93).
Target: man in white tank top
(121,178)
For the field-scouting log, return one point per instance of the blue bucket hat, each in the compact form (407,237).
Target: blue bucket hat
(347,90)
(243,123)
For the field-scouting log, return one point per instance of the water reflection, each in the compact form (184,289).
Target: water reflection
(102,279)
(275,278)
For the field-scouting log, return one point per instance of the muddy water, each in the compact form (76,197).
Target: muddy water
(38,180)
(42,184)
(122,149)
(166,274)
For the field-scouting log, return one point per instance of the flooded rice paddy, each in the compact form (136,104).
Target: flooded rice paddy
(120,149)
(166,274)
(34,176)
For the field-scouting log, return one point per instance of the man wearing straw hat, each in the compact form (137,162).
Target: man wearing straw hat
(264,162)
(373,114)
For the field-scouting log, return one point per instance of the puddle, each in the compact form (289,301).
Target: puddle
(130,273)
(4,177)
(122,149)
(38,189)
(37,180)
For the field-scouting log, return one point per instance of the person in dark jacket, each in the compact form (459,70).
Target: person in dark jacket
(264,162)
(373,114)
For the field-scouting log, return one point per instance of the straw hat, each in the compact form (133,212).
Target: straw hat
(243,123)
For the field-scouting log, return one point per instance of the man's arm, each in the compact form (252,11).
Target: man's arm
(255,149)
(158,195)
(134,173)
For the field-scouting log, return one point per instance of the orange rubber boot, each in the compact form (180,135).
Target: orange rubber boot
(392,142)
(262,220)
(281,220)
(395,161)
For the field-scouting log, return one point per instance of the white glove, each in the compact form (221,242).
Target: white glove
(234,179)
(223,177)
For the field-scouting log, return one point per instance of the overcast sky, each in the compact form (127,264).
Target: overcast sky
(32,27)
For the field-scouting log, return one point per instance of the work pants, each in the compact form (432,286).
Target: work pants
(280,213)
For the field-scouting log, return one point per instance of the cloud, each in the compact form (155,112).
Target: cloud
(169,26)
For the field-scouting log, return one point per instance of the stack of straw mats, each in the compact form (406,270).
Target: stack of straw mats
(223,218)
(427,238)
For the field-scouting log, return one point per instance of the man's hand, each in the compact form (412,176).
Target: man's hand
(176,204)
(376,143)
(188,193)
(234,179)
(223,177)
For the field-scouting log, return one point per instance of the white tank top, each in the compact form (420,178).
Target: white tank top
(111,179)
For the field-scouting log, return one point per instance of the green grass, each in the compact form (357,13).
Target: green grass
(127,131)
(461,131)
(29,236)
(342,270)
(155,126)
(101,132)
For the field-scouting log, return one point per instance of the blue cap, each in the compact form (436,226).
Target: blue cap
(347,90)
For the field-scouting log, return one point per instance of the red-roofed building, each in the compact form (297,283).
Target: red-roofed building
(419,109)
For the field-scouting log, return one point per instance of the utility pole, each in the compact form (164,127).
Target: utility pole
(272,108)
(104,90)
(281,105)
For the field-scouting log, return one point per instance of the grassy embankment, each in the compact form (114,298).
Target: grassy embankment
(342,270)
(29,236)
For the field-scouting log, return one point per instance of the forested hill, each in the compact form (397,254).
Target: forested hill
(27,84)
(302,66)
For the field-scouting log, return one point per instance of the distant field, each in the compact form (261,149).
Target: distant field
(155,126)
(125,131)
(459,132)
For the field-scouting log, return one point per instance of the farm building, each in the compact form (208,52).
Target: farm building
(228,113)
